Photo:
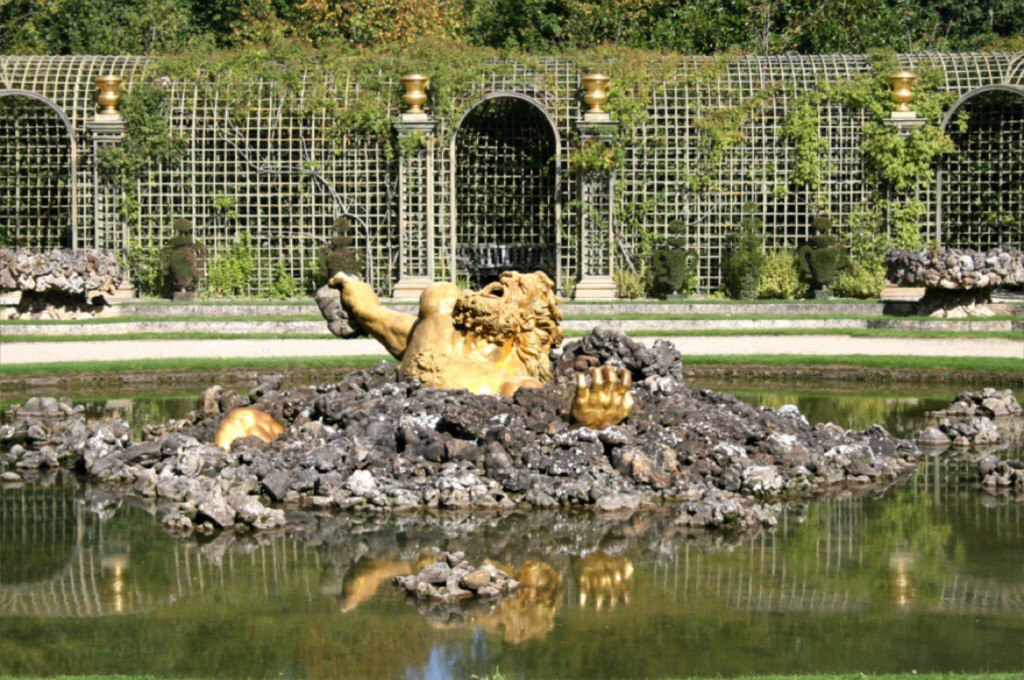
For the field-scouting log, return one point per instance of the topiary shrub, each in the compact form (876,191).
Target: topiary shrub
(743,261)
(183,261)
(822,256)
(780,277)
(673,265)
(340,255)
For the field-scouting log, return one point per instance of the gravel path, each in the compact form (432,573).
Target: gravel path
(29,352)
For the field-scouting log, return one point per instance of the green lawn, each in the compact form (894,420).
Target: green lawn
(277,363)
(135,318)
(715,332)
(196,364)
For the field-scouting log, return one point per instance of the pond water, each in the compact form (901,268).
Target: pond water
(929,577)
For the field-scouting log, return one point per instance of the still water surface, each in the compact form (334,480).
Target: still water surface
(928,577)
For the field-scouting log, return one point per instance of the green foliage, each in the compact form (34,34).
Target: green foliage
(893,162)
(230,274)
(673,265)
(743,261)
(147,140)
(859,281)
(629,284)
(341,255)
(183,258)
(780,277)
(707,27)
(283,285)
(596,156)
(147,269)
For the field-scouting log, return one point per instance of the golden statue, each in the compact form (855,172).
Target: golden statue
(493,341)
(247,422)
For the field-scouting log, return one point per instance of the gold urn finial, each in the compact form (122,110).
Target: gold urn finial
(110,94)
(595,87)
(415,95)
(901,94)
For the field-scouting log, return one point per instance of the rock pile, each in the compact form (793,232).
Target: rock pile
(451,577)
(968,420)
(1001,475)
(959,282)
(59,283)
(986,403)
(956,269)
(374,443)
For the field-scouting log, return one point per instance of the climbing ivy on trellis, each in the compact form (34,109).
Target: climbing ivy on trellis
(894,163)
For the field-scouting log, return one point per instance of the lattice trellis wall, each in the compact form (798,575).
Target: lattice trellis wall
(505,188)
(284,181)
(982,191)
(36,174)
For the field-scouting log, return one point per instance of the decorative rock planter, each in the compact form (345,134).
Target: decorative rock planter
(958,282)
(60,283)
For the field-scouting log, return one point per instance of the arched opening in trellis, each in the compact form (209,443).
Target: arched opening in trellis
(981,184)
(505,197)
(38,158)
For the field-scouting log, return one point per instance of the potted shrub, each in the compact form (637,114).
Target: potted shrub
(821,257)
(340,255)
(183,261)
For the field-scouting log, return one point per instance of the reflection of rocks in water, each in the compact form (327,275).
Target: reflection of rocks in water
(980,426)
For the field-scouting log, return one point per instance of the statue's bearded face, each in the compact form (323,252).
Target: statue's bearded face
(514,305)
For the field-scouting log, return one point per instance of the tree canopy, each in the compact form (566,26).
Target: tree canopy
(686,26)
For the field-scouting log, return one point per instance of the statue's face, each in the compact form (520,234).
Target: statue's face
(506,308)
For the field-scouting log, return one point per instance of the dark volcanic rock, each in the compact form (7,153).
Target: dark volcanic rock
(374,443)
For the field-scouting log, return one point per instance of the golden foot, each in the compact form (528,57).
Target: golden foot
(602,397)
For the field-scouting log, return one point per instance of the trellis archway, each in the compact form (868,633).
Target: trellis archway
(505,198)
(981,184)
(38,166)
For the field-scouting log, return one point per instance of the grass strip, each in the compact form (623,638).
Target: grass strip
(134,318)
(365,360)
(192,364)
(858,360)
(653,333)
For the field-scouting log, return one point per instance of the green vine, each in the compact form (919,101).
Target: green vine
(893,162)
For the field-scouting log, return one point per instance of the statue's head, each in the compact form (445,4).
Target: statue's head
(522,308)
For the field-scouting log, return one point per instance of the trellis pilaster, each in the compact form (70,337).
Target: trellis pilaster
(597,216)
(108,229)
(415,191)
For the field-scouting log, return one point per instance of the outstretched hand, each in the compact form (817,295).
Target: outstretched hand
(602,397)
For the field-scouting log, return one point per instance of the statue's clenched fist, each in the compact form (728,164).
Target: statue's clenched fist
(602,397)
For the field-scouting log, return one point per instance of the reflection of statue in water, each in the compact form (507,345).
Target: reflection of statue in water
(603,580)
(530,613)
(367,575)
(493,341)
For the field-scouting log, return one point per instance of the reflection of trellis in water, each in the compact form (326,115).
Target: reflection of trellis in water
(982,185)
(283,180)
(94,576)
(505,189)
(89,573)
